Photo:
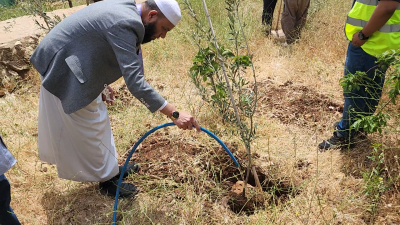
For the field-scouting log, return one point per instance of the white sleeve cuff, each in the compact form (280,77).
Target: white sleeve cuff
(163,106)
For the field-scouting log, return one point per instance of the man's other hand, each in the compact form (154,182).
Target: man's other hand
(108,95)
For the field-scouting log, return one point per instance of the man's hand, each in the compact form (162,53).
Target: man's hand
(108,95)
(357,41)
(186,121)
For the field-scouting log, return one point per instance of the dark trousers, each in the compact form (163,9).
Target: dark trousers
(364,100)
(7,216)
(294,16)
(268,12)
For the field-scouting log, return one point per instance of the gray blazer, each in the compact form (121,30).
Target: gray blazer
(93,47)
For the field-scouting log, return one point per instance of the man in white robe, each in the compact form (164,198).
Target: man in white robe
(77,59)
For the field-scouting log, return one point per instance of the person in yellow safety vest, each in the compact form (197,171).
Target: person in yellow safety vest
(372,27)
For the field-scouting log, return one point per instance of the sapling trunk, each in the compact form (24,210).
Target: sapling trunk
(255,90)
(232,100)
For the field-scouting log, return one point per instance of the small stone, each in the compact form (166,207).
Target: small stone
(238,187)
(3,73)
(33,40)
(18,44)
(12,73)
(17,65)
(18,51)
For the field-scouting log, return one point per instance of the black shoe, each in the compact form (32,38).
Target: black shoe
(109,188)
(360,134)
(336,125)
(337,140)
(130,169)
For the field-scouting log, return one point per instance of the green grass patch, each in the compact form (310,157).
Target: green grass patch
(10,12)
(20,8)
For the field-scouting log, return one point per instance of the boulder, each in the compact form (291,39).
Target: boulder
(14,61)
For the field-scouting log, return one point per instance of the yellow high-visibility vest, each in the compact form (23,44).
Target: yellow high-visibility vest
(386,38)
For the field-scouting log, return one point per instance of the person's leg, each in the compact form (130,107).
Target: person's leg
(81,144)
(364,100)
(288,20)
(7,215)
(268,12)
(301,17)
(374,92)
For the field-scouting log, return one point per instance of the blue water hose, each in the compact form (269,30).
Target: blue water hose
(140,141)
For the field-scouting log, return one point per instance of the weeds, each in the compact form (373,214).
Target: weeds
(38,8)
(371,123)
(375,185)
(39,197)
(23,8)
(11,12)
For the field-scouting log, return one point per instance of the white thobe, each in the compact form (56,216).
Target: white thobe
(80,144)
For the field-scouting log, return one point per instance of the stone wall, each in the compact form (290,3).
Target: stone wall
(14,62)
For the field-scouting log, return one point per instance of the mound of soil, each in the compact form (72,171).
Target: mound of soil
(293,104)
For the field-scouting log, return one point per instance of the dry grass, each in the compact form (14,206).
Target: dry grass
(329,185)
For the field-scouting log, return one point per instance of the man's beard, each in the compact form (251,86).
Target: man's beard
(149,30)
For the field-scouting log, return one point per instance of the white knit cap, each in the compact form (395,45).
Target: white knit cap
(170,9)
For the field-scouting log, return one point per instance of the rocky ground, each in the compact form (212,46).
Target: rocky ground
(17,43)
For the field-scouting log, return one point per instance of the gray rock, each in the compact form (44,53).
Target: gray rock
(19,65)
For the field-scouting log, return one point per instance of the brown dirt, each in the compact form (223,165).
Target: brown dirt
(181,162)
(165,158)
(294,104)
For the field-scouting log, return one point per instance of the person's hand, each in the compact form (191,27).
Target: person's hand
(186,121)
(357,41)
(108,95)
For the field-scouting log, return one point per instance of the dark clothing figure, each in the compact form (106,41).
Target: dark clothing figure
(268,12)
(294,18)
(7,160)
(7,215)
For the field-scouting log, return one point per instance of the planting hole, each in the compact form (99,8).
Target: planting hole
(210,170)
